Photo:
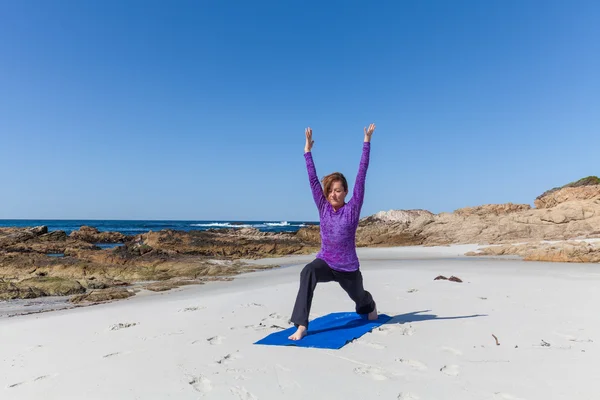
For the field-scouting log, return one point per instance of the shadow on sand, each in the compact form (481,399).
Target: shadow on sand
(414,316)
(417,316)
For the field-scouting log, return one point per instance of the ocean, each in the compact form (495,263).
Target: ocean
(130,227)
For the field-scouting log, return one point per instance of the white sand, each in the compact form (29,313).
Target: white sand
(196,342)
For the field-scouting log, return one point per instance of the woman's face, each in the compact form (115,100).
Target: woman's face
(337,195)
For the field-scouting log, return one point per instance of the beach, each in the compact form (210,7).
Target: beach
(510,330)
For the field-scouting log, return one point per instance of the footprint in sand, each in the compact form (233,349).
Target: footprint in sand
(407,396)
(451,370)
(374,373)
(39,378)
(215,340)
(273,321)
(242,393)
(122,325)
(572,338)
(415,364)
(201,384)
(252,305)
(388,329)
(193,308)
(115,354)
(451,350)
(229,358)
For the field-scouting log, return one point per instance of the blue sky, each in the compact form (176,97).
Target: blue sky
(197,109)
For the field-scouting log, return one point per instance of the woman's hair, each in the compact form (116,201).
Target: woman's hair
(329,179)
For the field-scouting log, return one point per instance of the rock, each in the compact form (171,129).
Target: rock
(492,209)
(90,234)
(37,240)
(309,234)
(100,283)
(563,195)
(225,243)
(569,251)
(54,236)
(399,216)
(10,236)
(584,189)
(565,221)
(170,284)
(39,230)
(102,295)
(53,286)
(12,291)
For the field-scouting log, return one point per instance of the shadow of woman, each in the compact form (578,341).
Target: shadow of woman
(417,316)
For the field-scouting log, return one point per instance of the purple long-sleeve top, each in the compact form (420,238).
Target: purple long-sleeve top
(338,228)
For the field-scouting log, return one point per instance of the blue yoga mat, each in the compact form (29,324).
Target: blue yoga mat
(331,331)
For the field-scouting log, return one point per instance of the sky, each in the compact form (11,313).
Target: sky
(196,110)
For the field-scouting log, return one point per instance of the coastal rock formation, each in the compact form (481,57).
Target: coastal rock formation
(565,221)
(10,236)
(394,216)
(38,286)
(102,295)
(90,234)
(31,274)
(38,240)
(168,258)
(584,189)
(389,228)
(492,209)
(572,211)
(224,243)
(569,251)
(11,291)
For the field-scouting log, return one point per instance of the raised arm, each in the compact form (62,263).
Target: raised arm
(315,185)
(358,194)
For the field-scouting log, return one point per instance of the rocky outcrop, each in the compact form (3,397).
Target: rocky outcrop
(10,236)
(223,243)
(38,240)
(103,295)
(11,291)
(570,251)
(90,234)
(568,193)
(53,286)
(492,209)
(389,228)
(38,286)
(565,221)
(394,216)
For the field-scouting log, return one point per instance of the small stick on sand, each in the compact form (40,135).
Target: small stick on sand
(497,342)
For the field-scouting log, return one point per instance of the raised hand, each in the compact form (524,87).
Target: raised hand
(309,142)
(369,132)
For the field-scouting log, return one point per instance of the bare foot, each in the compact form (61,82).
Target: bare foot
(373,314)
(299,334)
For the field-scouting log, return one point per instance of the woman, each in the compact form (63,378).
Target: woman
(337,259)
